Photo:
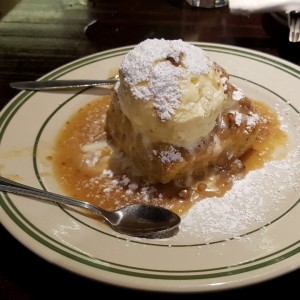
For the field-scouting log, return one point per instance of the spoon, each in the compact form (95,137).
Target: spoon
(146,221)
(60,84)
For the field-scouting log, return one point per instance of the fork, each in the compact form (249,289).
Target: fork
(294,25)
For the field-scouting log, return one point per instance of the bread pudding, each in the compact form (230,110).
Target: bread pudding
(175,115)
(174,131)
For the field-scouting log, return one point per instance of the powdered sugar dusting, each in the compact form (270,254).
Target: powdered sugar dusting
(169,156)
(238,94)
(154,68)
(253,202)
(246,207)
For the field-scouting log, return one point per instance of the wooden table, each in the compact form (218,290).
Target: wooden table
(37,36)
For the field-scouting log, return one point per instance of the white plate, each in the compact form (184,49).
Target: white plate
(250,235)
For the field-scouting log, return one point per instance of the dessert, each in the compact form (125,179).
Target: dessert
(175,114)
(174,131)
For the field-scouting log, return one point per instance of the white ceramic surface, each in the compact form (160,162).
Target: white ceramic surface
(250,235)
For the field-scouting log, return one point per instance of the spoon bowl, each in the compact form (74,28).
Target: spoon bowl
(138,220)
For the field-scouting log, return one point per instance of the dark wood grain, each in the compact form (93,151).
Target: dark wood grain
(37,36)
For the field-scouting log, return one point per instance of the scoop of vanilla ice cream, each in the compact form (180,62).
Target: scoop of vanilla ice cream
(170,92)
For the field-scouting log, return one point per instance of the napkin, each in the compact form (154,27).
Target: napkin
(256,6)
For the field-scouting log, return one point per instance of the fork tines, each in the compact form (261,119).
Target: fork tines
(294,25)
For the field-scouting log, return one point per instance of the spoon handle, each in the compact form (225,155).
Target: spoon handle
(10,186)
(59,84)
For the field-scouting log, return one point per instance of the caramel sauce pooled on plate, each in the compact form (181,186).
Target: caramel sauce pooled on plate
(87,169)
